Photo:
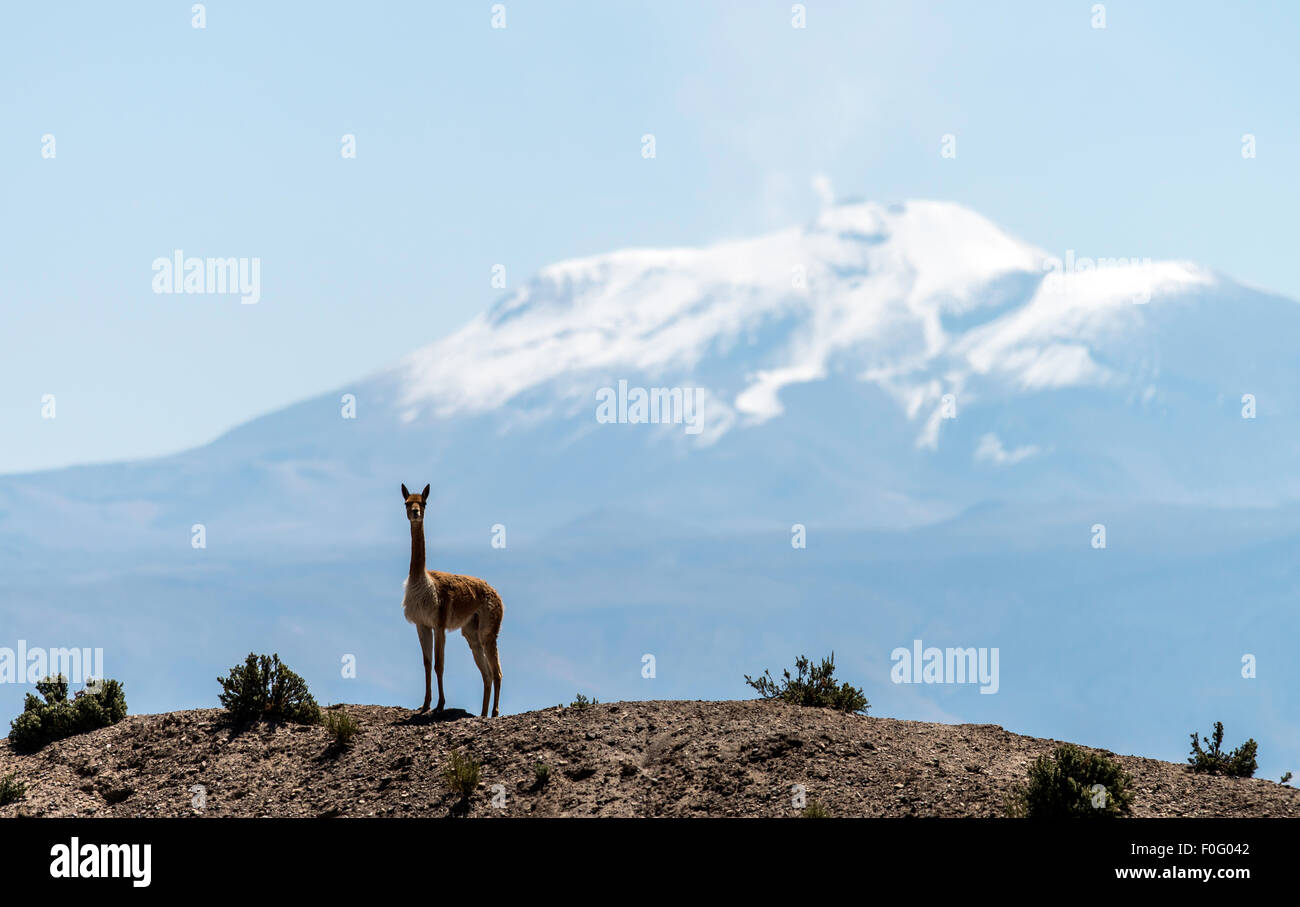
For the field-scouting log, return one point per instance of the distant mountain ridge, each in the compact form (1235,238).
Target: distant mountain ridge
(915,356)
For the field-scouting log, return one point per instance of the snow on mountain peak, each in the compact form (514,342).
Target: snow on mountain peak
(870,284)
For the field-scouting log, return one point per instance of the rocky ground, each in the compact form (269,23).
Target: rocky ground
(611,759)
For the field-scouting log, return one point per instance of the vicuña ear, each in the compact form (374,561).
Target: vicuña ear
(424,495)
(405,494)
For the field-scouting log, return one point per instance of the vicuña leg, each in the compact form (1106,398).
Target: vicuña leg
(470,632)
(439,644)
(481,660)
(426,646)
(489,643)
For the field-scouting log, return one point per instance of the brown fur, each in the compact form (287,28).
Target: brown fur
(437,602)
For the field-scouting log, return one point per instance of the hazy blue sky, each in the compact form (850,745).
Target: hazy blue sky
(522,146)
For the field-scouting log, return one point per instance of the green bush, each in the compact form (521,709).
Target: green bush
(264,689)
(541,775)
(100,704)
(11,789)
(812,685)
(461,774)
(1240,763)
(341,725)
(582,702)
(1062,786)
(815,810)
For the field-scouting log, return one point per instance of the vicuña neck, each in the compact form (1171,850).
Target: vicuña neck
(417,550)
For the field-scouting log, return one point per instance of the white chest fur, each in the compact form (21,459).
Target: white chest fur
(420,601)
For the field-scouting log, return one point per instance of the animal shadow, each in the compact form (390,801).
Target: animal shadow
(415,718)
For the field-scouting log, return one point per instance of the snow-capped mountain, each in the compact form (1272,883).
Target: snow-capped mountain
(948,411)
(921,300)
(864,283)
(880,367)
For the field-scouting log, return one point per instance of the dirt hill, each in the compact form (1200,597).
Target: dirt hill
(614,759)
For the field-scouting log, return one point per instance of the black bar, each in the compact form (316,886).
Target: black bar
(724,855)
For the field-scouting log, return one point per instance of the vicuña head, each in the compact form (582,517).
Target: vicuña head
(437,602)
(415,504)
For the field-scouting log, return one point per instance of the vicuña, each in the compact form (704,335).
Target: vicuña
(437,602)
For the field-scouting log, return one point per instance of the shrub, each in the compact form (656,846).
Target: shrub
(812,685)
(11,789)
(461,774)
(541,775)
(264,689)
(100,704)
(1062,786)
(582,702)
(342,726)
(815,810)
(1240,763)
(1285,778)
